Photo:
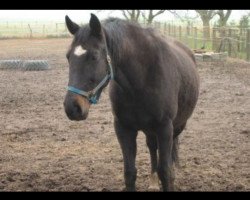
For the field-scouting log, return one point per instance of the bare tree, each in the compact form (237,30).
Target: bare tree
(149,17)
(184,16)
(206,16)
(131,15)
(224,16)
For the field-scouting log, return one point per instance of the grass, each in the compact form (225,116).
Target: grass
(20,30)
(58,30)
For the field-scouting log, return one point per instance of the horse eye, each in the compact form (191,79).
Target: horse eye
(94,56)
(92,80)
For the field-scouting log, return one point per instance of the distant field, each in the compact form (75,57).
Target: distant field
(54,29)
(32,29)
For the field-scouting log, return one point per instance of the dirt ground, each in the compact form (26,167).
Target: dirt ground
(41,150)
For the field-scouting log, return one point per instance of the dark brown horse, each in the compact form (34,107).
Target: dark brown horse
(154,88)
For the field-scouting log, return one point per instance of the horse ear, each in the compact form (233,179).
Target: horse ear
(72,27)
(95,26)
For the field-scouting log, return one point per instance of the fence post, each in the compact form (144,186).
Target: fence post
(214,39)
(30,31)
(44,30)
(169,29)
(248,44)
(174,29)
(154,25)
(229,42)
(186,36)
(165,29)
(195,37)
(180,32)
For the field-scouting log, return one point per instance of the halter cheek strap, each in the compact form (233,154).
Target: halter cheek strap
(93,95)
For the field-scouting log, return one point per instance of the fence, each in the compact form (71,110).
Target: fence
(32,30)
(234,40)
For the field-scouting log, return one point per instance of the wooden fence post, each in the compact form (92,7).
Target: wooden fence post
(195,37)
(180,33)
(214,45)
(165,28)
(44,30)
(154,25)
(30,31)
(174,30)
(186,36)
(248,44)
(230,42)
(169,29)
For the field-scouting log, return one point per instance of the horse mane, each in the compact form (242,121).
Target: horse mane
(117,30)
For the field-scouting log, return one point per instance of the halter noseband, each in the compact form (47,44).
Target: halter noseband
(93,95)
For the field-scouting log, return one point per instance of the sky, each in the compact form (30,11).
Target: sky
(81,15)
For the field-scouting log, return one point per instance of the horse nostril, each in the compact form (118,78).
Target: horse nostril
(78,109)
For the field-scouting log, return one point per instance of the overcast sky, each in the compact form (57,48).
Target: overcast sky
(79,15)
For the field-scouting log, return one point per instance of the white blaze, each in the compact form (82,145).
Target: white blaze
(79,51)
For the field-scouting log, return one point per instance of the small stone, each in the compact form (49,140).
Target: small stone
(105,190)
(239,94)
(245,132)
(239,187)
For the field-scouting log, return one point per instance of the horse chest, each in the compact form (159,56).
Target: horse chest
(134,115)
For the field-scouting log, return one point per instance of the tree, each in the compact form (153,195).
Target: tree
(184,16)
(244,21)
(206,16)
(131,15)
(224,16)
(149,17)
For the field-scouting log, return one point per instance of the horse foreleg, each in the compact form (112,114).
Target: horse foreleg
(127,141)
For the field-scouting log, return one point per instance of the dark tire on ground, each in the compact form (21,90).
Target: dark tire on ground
(10,64)
(28,65)
(35,65)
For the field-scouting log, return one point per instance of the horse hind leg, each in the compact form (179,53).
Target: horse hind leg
(151,141)
(175,150)
(165,134)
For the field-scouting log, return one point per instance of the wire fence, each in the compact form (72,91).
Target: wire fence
(33,30)
(234,40)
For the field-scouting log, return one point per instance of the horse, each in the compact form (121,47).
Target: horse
(154,88)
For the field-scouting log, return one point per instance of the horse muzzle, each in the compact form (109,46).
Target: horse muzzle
(76,107)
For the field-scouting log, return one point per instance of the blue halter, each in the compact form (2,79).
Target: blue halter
(93,95)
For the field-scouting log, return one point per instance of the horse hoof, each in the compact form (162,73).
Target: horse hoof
(154,188)
(154,183)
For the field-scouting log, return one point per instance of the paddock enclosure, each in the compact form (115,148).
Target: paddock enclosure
(41,150)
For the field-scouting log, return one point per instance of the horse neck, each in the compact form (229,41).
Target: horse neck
(128,71)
